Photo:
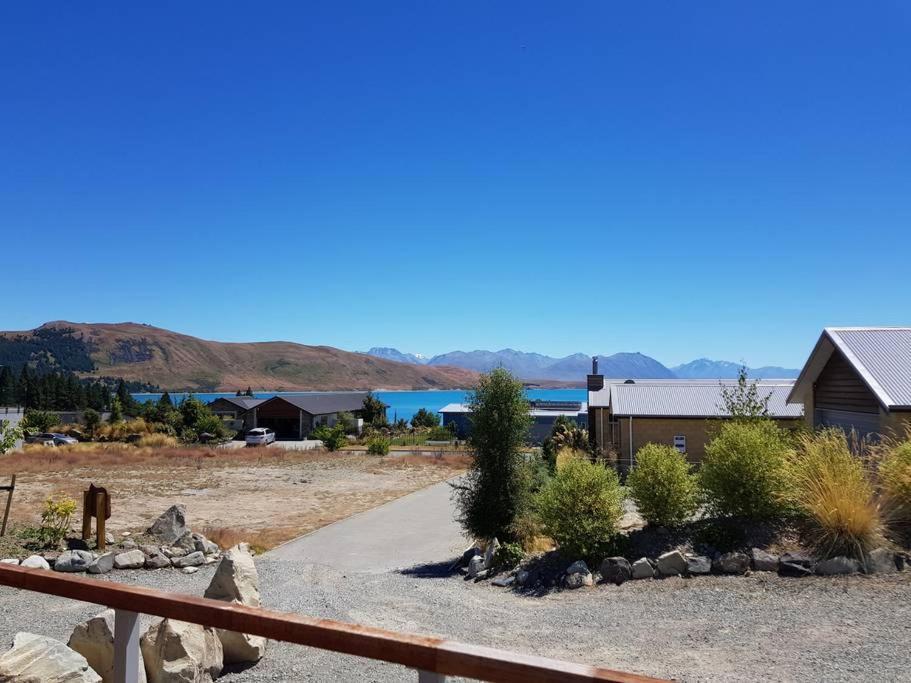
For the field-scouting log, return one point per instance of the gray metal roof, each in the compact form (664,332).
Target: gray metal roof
(880,355)
(242,402)
(326,403)
(453,408)
(696,399)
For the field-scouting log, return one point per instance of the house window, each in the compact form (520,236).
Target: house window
(680,443)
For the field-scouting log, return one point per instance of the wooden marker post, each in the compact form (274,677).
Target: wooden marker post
(9,501)
(95,503)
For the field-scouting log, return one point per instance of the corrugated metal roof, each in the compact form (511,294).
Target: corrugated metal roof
(452,408)
(697,399)
(326,403)
(882,356)
(242,402)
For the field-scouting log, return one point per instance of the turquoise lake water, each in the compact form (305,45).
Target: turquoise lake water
(402,404)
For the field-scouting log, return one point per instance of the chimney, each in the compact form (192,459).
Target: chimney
(595,380)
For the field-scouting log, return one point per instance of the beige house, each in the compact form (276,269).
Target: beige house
(624,415)
(859,379)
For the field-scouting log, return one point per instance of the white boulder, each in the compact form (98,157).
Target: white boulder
(38,659)
(131,559)
(94,640)
(237,581)
(180,652)
(35,562)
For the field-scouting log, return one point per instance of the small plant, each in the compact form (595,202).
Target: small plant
(55,519)
(662,485)
(378,445)
(580,508)
(333,438)
(833,492)
(745,471)
(508,556)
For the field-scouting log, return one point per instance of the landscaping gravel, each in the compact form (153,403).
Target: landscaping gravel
(705,628)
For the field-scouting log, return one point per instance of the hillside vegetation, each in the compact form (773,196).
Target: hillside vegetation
(180,362)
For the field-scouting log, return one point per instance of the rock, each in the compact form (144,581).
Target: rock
(38,659)
(881,561)
(763,561)
(503,581)
(237,581)
(642,569)
(172,552)
(171,525)
(475,566)
(481,575)
(204,545)
(189,570)
(698,564)
(129,544)
(149,550)
(793,570)
(194,559)
(109,538)
(578,575)
(837,565)
(132,559)
(616,570)
(102,564)
(186,542)
(671,563)
(35,562)
(157,561)
(94,640)
(490,552)
(73,561)
(522,577)
(179,652)
(732,563)
(11,560)
(126,533)
(473,551)
(800,559)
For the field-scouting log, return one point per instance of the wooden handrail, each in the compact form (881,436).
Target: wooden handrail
(418,652)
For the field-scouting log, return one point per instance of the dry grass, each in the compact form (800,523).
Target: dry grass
(260,540)
(893,457)
(833,489)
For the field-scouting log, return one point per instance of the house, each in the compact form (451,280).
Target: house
(624,415)
(236,411)
(12,417)
(543,413)
(859,379)
(295,416)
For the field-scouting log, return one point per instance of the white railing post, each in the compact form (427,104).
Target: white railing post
(430,677)
(126,647)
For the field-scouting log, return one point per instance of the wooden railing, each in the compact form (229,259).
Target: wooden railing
(433,658)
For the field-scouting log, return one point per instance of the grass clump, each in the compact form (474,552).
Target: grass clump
(745,470)
(833,492)
(661,484)
(580,508)
(378,445)
(157,440)
(895,477)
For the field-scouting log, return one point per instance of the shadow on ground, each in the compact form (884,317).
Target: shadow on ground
(431,570)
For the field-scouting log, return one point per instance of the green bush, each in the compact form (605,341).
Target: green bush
(333,438)
(378,445)
(425,418)
(508,556)
(745,470)
(895,476)
(36,421)
(55,520)
(439,434)
(580,508)
(661,484)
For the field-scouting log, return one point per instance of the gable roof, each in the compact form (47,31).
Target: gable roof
(242,402)
(323,403)
(881,356)
(693,399)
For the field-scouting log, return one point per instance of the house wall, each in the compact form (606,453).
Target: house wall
(842,399)
(894,424)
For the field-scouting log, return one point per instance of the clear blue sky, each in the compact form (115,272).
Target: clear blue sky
(681,179)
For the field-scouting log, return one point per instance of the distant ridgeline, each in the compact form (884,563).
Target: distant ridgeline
(39,371)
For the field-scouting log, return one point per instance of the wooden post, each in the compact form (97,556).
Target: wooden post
(100,501)
(86,517)
(9,502)
(126,646)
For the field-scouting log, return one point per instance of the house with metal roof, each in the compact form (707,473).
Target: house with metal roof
(859,379)
(624,415)
(543,414)
(236,411)
(294,416)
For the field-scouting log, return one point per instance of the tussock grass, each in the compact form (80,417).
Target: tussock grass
(260,540)
(157,441)
(893,457)
(834,492)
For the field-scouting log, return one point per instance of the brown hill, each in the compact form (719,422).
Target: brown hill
(179,362)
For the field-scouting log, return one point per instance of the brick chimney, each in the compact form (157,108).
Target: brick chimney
(595,380)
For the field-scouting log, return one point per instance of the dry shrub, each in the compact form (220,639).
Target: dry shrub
(121,430)
(834,492)
(157,441)
(260,540)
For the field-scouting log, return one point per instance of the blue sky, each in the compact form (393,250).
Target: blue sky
(680,179)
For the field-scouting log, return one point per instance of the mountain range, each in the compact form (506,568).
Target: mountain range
(574,368)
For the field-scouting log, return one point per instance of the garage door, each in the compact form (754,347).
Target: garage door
(284,427)
(866,425)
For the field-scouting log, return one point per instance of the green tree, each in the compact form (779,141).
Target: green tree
(38,420)
(374,410)
(116,411)
(128,404)
(743,400)
(9,435)
(494,492)
(92,419)
(165,402)
(424,418)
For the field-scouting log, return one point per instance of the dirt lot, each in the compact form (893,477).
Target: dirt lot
(265,496)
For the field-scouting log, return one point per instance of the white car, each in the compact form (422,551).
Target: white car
(261,436)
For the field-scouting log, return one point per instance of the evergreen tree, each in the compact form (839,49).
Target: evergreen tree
(129,404)
(116,410)
(165,402)
(249,392)
(7,387)
(374,410)
(92,419)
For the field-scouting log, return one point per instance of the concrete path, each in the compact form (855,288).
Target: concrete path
(414,530)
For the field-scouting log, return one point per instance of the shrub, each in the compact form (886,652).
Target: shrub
(333,438)
(36,421)
(55,519)
(895,476)
(662,485)
(566,454)
(508,555)
(580,508)
(835,495)
(378,445)
(425,418)
(744,472)
(439,434)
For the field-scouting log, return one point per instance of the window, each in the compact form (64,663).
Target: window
(680,443)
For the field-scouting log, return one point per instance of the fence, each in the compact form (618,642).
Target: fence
(433,658)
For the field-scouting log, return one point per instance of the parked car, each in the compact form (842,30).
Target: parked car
(51,439)
(261,436)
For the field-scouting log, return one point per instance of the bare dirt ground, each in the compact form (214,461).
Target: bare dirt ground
(265,496)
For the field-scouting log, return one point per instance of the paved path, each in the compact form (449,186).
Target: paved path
(416,529)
